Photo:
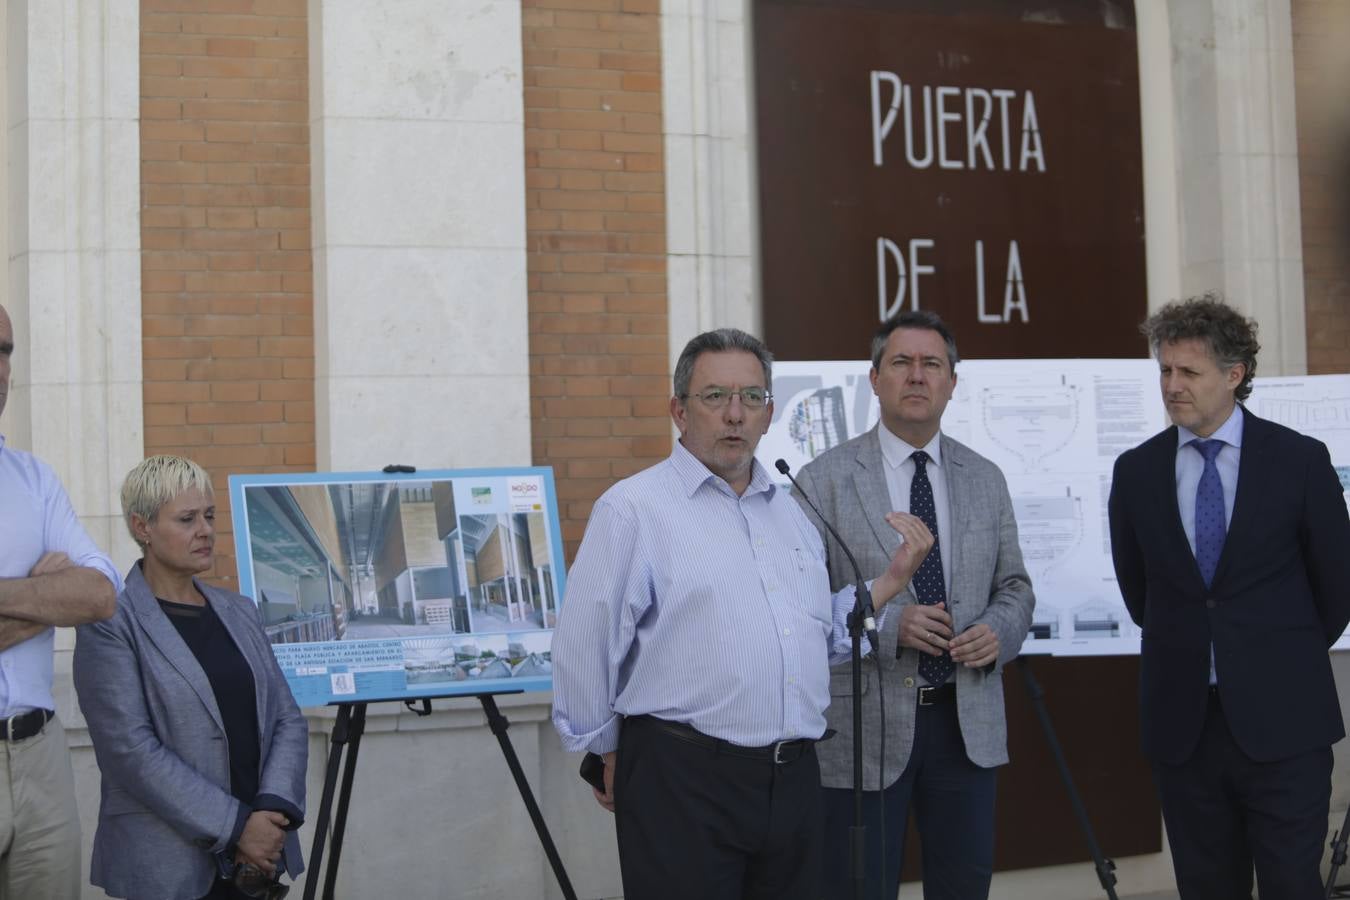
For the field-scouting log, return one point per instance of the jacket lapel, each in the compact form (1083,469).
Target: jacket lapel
(1164,467)
(1245,500)
(959,503)
(874,496)
(166,639)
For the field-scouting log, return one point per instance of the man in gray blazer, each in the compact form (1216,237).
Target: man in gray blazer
(945,640)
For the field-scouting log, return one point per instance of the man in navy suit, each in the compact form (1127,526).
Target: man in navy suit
(1232,548)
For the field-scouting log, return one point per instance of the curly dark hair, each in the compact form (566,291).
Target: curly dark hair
(1230,336)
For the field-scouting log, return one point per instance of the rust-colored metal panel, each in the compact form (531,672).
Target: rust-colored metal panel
(1010,152)
(1092,704)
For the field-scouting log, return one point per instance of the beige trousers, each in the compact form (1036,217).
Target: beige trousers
(39,822)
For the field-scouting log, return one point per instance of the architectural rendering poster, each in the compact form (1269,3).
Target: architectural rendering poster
(390,587)
(1055,428)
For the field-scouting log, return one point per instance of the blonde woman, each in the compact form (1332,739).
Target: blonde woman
(201,745)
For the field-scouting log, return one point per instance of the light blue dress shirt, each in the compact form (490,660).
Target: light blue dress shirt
(694,605)
(36,518)
(1191,465)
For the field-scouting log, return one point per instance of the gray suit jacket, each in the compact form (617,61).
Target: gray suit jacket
(166,806)
(989,585)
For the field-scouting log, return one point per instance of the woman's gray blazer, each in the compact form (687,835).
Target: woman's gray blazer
(166,807)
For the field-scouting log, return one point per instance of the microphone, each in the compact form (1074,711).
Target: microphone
(863,607)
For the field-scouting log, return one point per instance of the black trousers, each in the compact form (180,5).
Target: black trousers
(1227,814)
(696,822)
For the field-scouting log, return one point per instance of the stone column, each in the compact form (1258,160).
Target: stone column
(711,196)
(1237,166)
(417,122)
(74,284)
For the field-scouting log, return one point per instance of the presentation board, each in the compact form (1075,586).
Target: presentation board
(387,587)
(1055,428)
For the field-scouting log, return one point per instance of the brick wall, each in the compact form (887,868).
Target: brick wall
(225,234)
(599,367)
(1321,73)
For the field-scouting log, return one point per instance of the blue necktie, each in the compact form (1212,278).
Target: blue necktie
(1211,523)
(928,585)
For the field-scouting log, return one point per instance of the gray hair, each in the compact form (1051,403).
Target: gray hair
(720,341)
(1229,335)
(157,480)
(921,319)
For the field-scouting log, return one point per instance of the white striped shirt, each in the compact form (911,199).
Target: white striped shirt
(691,604)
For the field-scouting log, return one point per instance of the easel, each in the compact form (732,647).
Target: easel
(347,731)
(1106,868)
(1339,840)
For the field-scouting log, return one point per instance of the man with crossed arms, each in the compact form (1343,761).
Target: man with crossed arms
(50,574)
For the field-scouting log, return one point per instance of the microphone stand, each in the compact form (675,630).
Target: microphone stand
(859,621)
(857,843)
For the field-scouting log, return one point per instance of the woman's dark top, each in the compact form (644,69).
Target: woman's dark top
(231,683)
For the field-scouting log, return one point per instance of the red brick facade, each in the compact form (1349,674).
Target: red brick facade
(595,195)
(225,231)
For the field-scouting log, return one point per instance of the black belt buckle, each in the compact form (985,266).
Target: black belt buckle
(929,694)
(789,751)
(25,725)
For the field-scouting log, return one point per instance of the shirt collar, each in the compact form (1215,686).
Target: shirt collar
(1230,432)
(896,450)
(693,474)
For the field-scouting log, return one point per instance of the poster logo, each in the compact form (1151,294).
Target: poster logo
(526,493)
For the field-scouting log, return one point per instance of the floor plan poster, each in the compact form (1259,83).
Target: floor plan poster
(381,587)
(816,406)
(1055,428)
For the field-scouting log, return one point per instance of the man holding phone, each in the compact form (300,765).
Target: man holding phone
(693,650)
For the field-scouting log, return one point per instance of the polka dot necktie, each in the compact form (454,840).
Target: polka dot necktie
(1211,523)
(928,585)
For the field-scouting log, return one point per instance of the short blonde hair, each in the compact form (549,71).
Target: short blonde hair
(156,481)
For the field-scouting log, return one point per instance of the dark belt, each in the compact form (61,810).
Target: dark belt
(24,725)
(943,693)
(779,752)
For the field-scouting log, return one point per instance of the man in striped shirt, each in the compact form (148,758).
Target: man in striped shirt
(693,649)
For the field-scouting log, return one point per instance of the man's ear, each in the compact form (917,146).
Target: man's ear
(768,419)
(677,413)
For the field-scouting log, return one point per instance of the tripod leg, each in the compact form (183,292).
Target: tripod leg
(1338,855)
(1105,867)
(358,728)
(498,723)
(339,741)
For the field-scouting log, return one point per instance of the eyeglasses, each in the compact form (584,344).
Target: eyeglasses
(718,397)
